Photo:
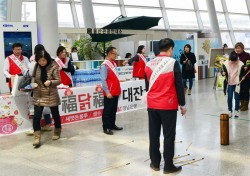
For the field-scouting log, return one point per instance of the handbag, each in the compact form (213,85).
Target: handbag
(195,71)
(189,65)
(26,81)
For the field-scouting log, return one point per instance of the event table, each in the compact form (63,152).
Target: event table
(77,104)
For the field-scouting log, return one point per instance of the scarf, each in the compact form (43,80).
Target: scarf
(43,74)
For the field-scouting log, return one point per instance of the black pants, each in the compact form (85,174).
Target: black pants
(109,112)
(244,89)
(38,115)
(166,119)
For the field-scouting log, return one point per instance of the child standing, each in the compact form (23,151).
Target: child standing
(232,70)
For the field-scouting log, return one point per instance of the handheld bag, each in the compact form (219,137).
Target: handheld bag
(189,66)
(26,81)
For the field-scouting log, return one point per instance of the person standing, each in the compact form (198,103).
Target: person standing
(46,75)
(245,85)
(165,92)
(233,70)
(15,64)
(65,66)
(46,111)
(139,62)
(111,90)
(188,60)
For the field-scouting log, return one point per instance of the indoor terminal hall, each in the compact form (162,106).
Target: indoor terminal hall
(124,87)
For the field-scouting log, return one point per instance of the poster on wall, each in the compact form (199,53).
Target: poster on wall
(204,42)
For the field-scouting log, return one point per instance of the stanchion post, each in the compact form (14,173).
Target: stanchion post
(224,129)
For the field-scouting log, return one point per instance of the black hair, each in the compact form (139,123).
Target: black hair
(109,49)
(73,48)
(189,46)
(15,45)
(43,54)
(233,56)
(38,47)
(60,49)
(128,55)
(165,44)
(140,48)
(225,45)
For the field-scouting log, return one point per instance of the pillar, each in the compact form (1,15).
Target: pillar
(213,19)
(88,14)
(47,25)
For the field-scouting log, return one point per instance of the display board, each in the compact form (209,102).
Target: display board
(218,56)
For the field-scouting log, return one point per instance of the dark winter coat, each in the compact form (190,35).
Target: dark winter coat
(186,74)
(46,96)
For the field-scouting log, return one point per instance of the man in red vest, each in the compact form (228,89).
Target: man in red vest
(165,92)
(111,90)
(15,64)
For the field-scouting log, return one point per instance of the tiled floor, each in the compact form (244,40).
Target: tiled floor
(85,150)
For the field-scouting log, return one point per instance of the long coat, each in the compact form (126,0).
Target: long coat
(46,96)
(190,73)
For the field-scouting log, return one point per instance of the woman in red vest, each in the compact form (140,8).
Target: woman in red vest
(65,66)
(139,63)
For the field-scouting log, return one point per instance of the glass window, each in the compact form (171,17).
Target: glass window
(103,19)
(146,12)
(65,18)
(179,4)
(243,37)
(225,37)
(105,1)
(222,21)
(202,4)
(3,10)
(240,22)
(218,5)
(151,3)
(238,6)
(80,15)
(28,11)
(205,20)
(182,20)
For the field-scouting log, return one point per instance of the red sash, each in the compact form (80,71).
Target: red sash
(15,66)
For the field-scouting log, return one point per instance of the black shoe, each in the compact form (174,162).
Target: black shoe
(173,169)
(117,128)
(108,131)
(154,168)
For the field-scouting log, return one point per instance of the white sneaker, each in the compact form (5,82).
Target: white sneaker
(229,114)
(236,114)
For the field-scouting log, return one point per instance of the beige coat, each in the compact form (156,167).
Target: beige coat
(46,96)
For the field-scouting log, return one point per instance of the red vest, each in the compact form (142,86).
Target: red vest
(64,77)
(13,68)
(139,68)
(113,82)
(162,95)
